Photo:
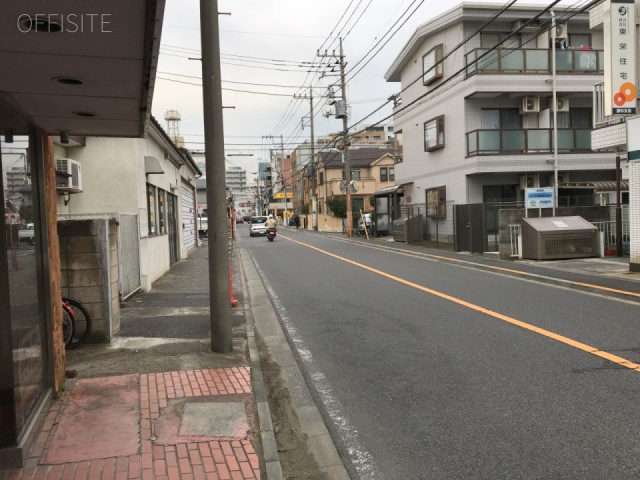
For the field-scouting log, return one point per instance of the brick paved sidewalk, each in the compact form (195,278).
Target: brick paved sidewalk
(195,424)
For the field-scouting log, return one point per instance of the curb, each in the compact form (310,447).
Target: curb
(312,423)
(273,468)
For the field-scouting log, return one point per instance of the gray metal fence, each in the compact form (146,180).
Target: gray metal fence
(129,254)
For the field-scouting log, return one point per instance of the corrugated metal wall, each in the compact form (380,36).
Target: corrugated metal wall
(188,216)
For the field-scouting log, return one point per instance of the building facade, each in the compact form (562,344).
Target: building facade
(477,117)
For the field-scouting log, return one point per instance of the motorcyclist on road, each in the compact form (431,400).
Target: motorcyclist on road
(271,222)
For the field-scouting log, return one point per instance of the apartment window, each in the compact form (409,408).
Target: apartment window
(321,178)
(151,209)
(434,133)
(491,39)
(392,174)
(432,67)
(580,40)
(575,118)
(161,212)
(500,118)
(437,202)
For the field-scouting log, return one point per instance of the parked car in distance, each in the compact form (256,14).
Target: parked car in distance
(27,234)
(246,218)
(203,227)
(256,226)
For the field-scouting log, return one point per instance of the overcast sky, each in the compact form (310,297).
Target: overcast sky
(263,43)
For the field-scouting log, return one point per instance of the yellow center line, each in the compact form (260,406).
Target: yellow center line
(505,318)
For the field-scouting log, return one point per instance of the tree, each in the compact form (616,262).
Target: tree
(338,206)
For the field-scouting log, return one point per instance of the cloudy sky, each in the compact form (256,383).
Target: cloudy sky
(268,55)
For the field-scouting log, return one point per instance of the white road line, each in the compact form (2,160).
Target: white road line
(361,459)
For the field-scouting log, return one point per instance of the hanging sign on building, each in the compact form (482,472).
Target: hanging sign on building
(621,64)
(539,197)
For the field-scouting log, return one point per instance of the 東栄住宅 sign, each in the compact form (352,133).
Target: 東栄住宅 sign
(539,197)
(621,67)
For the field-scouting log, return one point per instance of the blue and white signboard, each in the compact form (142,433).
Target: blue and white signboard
(539,197)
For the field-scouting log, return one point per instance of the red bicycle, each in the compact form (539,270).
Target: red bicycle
(76,322)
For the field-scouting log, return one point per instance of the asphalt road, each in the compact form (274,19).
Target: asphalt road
(428,370)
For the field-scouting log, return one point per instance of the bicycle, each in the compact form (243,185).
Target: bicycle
(76,322)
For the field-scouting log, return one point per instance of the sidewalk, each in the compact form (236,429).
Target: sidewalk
(157,403)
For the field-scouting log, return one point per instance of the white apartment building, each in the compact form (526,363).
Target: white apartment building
(477,121)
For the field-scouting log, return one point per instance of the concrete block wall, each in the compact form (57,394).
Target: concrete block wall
(89,271)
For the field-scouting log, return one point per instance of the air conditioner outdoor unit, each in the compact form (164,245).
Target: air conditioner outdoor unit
(530,104)
(532,26)
(561,30)
(562,104)
(528,181)
(73,170)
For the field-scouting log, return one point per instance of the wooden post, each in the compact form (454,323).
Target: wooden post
(53,244)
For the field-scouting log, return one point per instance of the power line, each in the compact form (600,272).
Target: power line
(435,91)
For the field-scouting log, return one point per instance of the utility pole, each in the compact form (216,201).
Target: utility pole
(345,142)
(284,183)
(219,261)
(314,179)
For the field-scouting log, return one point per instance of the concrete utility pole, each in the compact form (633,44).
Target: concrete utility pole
(284,183)
(345,143)
(314,179)
(219,272)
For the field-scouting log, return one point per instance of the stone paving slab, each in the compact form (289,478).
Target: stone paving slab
(192,457)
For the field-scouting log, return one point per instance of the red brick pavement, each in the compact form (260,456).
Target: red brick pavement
(222,459)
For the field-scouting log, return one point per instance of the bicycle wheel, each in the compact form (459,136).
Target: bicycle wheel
(82,321)
(67,325)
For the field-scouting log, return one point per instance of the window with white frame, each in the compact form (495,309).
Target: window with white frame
(434,133)
(432,66)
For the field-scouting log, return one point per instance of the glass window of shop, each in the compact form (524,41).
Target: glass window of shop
(23,356)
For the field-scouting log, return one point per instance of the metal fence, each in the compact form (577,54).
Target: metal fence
(430,230)
(128,254)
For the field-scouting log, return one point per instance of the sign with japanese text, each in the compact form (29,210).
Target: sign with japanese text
(539,197)
(622,65)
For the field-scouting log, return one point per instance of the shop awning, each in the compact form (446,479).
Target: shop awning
(389,190)
(599,186)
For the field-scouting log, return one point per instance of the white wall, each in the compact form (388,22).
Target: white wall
(114,180)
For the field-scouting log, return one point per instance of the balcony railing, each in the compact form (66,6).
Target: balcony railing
(533,60)
(530,140)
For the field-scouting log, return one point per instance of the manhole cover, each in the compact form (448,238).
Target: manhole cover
(175,348)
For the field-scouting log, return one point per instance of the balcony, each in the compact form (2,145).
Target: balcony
(533,60)
(531,140)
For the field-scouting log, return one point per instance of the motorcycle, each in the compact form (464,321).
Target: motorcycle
(271,234)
